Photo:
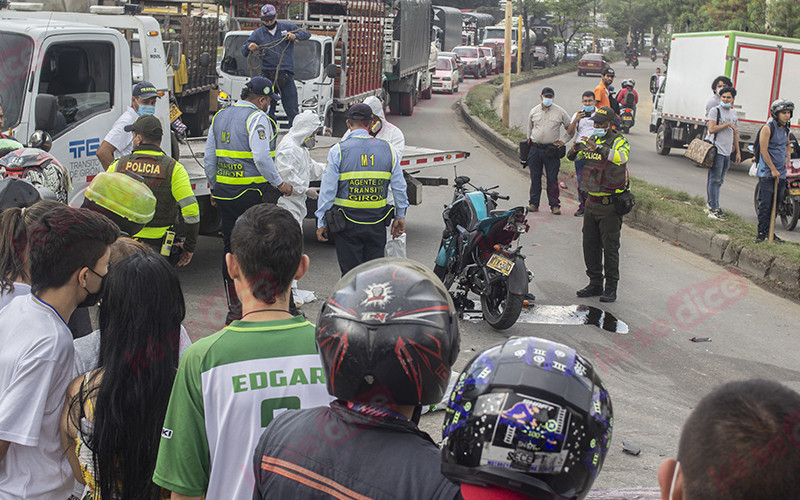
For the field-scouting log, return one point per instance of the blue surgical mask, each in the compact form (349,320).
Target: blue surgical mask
(599,132)
(146,109)
(547,102)
(726,105)
(588,109)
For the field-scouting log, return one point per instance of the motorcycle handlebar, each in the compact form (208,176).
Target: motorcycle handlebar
(497,196)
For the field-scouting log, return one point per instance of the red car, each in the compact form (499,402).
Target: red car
(592,63)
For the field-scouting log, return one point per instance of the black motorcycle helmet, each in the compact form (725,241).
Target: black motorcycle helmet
(388,334)
(530,416)
(17,193)
(779,105)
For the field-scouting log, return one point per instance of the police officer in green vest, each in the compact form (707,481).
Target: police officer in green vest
(605,177)
(352,207)
(239,166)
(169,182)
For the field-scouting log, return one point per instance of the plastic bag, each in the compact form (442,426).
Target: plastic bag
(395,247)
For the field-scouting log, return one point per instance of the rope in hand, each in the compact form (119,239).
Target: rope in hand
(254,63)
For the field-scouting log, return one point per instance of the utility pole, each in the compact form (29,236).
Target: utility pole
(520,46)
(594,29)
(507,66)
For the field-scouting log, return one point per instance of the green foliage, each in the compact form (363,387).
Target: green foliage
(638,15)
(784,18)
(570,18)
(715,15)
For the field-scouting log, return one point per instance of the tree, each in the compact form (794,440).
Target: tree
(783,17)
(638,16)
(716,15)
(570,18)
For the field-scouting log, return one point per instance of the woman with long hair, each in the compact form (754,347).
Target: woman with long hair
(113,415)
(14,224)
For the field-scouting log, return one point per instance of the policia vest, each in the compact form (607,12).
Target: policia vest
(601,176)
(365,171)
(156,169)
(236,168)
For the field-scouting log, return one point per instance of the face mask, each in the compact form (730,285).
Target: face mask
(93,298)
(310,142)
(547,102)
(726,105)
(599,132)
(588,109)
(270,26)
(147,109)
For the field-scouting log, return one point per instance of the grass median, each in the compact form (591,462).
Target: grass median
(664,201)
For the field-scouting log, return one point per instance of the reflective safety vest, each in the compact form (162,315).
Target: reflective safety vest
(236,169)
(605,170)
(156,169)
(365,171)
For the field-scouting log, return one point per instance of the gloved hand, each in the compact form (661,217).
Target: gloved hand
(313,193)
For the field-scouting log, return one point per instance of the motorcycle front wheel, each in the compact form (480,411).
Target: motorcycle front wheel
(442,273)
(500,307)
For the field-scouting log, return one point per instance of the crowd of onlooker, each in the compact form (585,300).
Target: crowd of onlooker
(273,406)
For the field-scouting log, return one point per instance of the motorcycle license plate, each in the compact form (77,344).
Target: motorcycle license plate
(794,191)
(501,264)
(174,113)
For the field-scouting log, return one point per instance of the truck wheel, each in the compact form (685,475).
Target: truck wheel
(198,121)
(394,103)
(406,103)
(663,139)
(327,126)
(209,216)
(427,93)
(175,146)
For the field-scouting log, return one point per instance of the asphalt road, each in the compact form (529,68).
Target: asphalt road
(673,170)
(654,374)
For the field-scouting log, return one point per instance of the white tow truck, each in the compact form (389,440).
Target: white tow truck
(62,75)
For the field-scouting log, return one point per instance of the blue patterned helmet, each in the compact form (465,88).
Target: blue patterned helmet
(530,416)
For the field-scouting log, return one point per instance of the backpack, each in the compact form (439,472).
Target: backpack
(757,145)
(630,98)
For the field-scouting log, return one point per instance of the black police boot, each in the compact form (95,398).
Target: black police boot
(609,295)
(590,291)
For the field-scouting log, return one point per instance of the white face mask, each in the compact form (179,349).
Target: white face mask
(674,479)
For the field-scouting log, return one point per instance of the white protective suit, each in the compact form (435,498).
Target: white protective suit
(395,247)
(295,165)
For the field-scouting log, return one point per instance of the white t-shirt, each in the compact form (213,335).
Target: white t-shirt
(724,138)
(585,127)
(117,137)
(35,369)
(20,289)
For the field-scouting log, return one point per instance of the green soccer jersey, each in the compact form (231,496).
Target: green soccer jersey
(228,387)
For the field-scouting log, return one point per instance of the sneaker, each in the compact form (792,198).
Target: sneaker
(533,208)
(556,210)
(761,237)
(590,291)
(775,239)
(707,208)
(717,214)
(578,213)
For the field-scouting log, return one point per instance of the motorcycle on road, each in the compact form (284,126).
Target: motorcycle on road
(634,61)
(653,54)
(476,253)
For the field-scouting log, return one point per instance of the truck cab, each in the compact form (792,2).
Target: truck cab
(312,76)
(64,78)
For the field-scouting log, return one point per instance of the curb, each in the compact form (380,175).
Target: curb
(773,273)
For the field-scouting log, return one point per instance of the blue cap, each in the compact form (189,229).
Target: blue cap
(262,85)
(268,12)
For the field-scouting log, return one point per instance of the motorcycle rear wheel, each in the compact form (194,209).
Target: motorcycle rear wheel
(500,307)
(790,213)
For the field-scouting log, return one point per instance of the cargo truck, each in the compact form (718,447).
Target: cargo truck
(762,68)
(447,26)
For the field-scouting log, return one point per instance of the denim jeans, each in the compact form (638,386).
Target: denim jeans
(579,174)
(766,190)
(716,176)
(288,95)
(538,163)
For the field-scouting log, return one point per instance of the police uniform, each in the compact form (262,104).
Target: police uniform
(605,175)
(361,169)
(240,170)
(169,182)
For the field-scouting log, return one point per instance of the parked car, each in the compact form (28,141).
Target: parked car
(592,63)
(445,77)
(491,60)
(539,56)
(462,67)
(474,60)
